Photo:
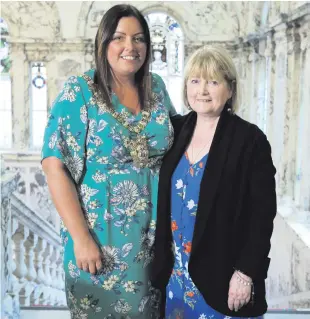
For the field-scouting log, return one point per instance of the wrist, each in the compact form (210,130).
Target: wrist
(79,238)
(244,276)
(243,279)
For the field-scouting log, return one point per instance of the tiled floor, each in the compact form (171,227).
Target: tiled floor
(287,316)
(48,314)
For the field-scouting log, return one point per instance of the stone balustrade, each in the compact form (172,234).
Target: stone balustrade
(31,259)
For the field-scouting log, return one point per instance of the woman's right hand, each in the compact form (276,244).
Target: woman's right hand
(87,254)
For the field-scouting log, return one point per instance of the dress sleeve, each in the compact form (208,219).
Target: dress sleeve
(167,101)
(66,130)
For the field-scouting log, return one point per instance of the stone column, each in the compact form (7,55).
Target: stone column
(302,184)
(277,121)
(291,114)
(89,56)
(20,97)
(260,84)
(243,54)
(251,85)
(269,81)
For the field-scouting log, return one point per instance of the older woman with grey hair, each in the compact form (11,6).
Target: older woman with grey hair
(217,201)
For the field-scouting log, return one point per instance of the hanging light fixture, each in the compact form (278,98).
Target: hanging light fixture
(38,81)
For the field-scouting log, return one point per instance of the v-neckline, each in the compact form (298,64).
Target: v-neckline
(118,102)
(193,164)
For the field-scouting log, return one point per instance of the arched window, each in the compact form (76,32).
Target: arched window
(168,54)
(5,89)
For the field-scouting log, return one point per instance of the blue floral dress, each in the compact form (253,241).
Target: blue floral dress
(118,198)
(183,298)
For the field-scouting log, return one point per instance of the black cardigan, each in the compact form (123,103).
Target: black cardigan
(236,208)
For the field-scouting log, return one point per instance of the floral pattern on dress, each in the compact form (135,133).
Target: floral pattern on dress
(118,198)
(183,298)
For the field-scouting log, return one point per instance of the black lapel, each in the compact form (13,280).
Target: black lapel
(212,174)
(170,162)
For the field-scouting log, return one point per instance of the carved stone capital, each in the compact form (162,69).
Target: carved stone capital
(293,40)
(304,34)
(270,46)
(280,39)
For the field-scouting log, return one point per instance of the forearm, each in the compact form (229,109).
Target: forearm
(65,198)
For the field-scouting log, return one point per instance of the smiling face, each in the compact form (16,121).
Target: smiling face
(126,52)
(210,80)
(207,96)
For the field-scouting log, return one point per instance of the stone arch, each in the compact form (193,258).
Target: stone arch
(87,6)
(165,9)
(83,18)
(184,15)
(32,19)
(6,16)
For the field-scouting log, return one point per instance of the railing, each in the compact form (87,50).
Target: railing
(31,272)
(31,185)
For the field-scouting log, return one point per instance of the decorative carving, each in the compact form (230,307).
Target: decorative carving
(280,38)
(270,46)
(304,35)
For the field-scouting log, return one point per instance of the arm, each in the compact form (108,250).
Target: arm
(63,163)
(262,193)
(65,197)
(263,209)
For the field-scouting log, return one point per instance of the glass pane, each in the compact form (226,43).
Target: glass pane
(174,87)
(38,103)
(5,112)
(4,48)
(5,93)
(39,120)
(5,129)
(38,87)
(167,49)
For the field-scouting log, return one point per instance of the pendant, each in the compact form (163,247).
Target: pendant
(139,151)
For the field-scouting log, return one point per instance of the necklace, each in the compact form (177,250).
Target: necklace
(197,155)
(191,165)
(137,144)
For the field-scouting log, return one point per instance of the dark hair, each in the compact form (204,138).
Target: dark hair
(103,75)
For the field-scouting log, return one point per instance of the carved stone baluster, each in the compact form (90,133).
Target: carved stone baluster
(53,259)
(30,256)
(30,244)
(10,302)
(39,250)
(59,271)
(47,272)
(21,270)
(19,238)
(14,281)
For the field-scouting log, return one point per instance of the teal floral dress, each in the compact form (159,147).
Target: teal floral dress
(99,147)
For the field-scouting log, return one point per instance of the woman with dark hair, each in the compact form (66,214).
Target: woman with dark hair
(107,133)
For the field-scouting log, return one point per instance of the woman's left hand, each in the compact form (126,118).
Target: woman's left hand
(239,294)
